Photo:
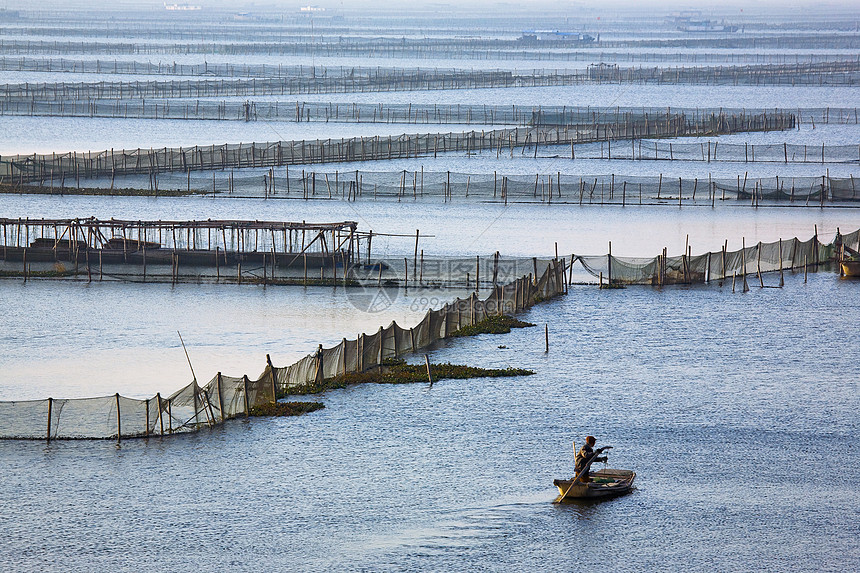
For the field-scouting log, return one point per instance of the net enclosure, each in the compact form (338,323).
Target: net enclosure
(172,250)
(454,186)
(57,167)
(306,79)
(223,397)
(755,259)
(417,113)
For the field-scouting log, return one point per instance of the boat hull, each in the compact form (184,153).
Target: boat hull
(605,483)
(851,268)
(163,256)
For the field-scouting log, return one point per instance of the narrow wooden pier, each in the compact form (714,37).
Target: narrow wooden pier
(89,245)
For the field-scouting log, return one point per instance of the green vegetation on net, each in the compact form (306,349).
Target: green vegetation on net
(397,371)
(492,325)
(286,408)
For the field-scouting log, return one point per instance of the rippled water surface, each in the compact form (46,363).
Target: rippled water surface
(737,411)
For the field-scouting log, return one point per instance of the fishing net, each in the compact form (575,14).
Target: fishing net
(224,397)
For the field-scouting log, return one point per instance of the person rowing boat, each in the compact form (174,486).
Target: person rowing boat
(602,483)
(586,456)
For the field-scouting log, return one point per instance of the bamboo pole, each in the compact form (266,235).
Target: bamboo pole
(160,418)
(429,371)
(220,397)
(50,416)
(118,420)
(546,336)
(781,278)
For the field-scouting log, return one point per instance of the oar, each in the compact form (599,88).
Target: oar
(584,471)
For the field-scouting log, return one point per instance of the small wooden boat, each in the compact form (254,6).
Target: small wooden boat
(604,483)
(120,244)
(851,268)
(61,244)
(849,259)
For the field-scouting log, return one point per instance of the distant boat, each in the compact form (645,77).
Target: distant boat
(706,26)
(604,483)
(541,36)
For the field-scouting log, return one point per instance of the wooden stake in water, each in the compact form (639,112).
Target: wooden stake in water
(781,278)
(50,415)
(415,255)
(118,420)
(187,357)
(546,336)
(429,372)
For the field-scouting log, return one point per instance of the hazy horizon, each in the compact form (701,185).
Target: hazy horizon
(409,6)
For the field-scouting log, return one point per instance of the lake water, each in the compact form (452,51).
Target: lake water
(738,411)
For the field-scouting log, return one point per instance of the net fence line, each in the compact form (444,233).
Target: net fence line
(38,167)
(342,112)
(745,41)
(238,71)
(443,48)
(708,151)
(777,256)
(402,79)
(224,397)
(371,80)
(234,70)
(451,187)
(845,72)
